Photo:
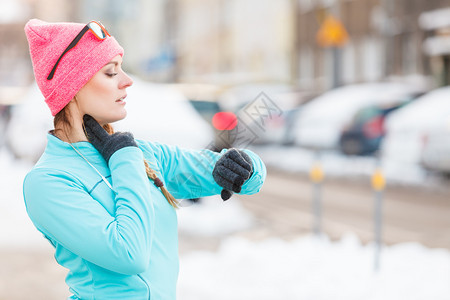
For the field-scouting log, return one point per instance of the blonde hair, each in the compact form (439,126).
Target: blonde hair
(63,117)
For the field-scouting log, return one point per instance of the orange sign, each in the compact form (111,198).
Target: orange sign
(332,33)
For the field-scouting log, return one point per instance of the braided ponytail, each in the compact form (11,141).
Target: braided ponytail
(152,175)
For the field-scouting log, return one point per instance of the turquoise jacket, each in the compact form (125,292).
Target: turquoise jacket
(119,243)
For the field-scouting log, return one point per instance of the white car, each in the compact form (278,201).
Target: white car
(435,153)
(156,112)
(322,120)
(408,127)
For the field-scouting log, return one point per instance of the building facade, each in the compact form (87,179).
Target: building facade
(403,39)
(235,41)
(359,59)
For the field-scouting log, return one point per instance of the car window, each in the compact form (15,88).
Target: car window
(367,113)
(207,109)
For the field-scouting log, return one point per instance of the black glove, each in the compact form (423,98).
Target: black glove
(105,143)
(231,171)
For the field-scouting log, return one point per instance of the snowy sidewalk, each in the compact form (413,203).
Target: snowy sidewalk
(305,267)
(312,269)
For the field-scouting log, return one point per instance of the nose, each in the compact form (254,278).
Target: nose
(126,81)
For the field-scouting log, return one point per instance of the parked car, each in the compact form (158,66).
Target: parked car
(435,155)
(324,118)
(364,133)
(155,113)
(408,127)
(266,112)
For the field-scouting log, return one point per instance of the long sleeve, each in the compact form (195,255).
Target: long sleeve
(62,209)
(188,173)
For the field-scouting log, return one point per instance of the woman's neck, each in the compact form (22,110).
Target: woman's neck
(72,134)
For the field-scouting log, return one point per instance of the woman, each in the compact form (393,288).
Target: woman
(90,194)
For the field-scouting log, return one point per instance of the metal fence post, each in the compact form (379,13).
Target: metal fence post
(316,175)
(378,184)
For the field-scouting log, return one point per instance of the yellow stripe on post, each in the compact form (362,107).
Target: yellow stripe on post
(378,181)
(316,173)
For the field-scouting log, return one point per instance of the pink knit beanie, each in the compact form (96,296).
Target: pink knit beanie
(47,41)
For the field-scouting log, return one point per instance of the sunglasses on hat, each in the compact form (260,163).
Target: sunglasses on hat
(95,27)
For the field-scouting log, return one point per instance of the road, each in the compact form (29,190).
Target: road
(410,214)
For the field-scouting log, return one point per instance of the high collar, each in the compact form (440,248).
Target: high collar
(57,147)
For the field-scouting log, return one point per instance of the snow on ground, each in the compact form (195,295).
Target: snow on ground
(16,229)
(213,217)
(310,268)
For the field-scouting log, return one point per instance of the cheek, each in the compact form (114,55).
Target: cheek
(101,91)
(96,95)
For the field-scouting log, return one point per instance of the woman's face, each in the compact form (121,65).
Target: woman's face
(103,96)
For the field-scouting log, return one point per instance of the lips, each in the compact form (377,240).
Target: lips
(121,99)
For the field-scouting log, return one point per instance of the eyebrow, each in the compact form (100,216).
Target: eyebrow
(112,63)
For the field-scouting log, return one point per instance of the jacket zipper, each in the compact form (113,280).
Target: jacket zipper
(148,288)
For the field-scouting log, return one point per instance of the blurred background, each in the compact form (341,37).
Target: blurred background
(346,101)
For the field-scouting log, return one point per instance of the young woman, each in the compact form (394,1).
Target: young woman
(104,200)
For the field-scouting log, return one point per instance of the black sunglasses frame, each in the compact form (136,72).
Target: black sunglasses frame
(75,42)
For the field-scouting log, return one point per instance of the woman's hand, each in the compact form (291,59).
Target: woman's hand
(231,171)
(106,144)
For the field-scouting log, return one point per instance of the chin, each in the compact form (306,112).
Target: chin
(122,116)
(112,119)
